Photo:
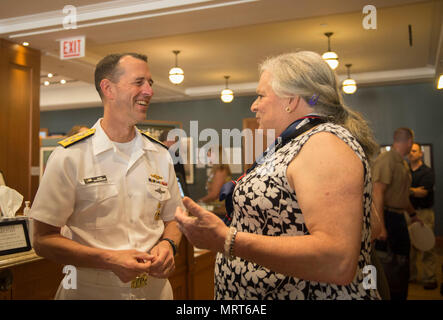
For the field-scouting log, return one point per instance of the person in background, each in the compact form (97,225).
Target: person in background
(77,129)
(422,199)
(301,226)
(219,174)
(116,189)
(392,179)
(176,158)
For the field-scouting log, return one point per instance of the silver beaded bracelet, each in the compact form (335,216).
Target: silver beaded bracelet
(229,243)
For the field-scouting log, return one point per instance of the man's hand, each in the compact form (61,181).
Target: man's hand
(419,192)
(128,264)
(163,263)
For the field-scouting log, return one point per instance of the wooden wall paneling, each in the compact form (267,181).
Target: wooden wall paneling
(20,116)
(37,280)
(248,146)
(6,295)
(203,276)
(4,110)
(179,279)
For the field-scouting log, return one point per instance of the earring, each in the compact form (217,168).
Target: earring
(288,110)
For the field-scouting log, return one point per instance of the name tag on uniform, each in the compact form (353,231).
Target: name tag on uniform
(95,179)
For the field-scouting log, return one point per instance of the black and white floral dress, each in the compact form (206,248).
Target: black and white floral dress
(264,203)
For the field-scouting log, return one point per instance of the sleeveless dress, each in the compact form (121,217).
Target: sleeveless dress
(265,204)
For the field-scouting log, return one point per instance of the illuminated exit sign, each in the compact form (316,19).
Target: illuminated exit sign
(72,48)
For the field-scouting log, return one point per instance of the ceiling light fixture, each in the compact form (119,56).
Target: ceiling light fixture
(440,82)
(46,83)
(176,74)
(227,95)
(349,86)
(25,44)
(330,57)
(62,81)
(50,75)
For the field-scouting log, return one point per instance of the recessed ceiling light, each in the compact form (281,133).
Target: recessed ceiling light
(62,81)
(46,83)
(50,75)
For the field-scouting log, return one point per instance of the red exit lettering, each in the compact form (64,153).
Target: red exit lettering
(71,48)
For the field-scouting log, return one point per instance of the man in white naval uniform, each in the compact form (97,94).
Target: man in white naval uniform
(115,189)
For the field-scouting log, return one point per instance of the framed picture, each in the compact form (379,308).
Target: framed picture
(14,237)
(426,148)
(156,127)
(45,152)
(44,132)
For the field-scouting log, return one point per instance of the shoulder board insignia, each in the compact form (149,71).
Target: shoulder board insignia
(144,133)
(76,138)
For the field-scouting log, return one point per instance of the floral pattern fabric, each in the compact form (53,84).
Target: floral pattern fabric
(265,204)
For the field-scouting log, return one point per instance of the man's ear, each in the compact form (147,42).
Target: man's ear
(107,88)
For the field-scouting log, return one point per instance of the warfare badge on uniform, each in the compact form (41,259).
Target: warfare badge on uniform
(140,281)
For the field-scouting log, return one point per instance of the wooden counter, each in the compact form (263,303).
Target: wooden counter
(27,276)
(193,278)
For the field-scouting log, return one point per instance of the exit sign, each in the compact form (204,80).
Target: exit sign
(72,48)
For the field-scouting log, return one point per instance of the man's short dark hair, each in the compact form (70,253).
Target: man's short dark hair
(403,134)
(107,68)
(419,146)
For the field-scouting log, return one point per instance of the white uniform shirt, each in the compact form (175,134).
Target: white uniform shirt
(118,210)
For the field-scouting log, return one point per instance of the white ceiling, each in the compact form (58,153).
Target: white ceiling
(219,38)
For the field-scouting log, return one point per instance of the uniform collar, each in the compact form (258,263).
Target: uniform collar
(102,143)
(144,143)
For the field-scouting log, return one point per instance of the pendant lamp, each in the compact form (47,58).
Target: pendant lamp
(176,74)
(227,95)
(349,86)
(330,57)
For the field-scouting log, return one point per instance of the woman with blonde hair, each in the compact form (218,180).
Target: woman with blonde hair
(301,215)
(219,174)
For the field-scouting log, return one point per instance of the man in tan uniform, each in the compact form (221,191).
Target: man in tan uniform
(391,182)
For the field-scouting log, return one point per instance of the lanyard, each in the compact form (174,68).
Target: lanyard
(295,129)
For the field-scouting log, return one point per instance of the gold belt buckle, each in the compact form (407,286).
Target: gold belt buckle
(140,281)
